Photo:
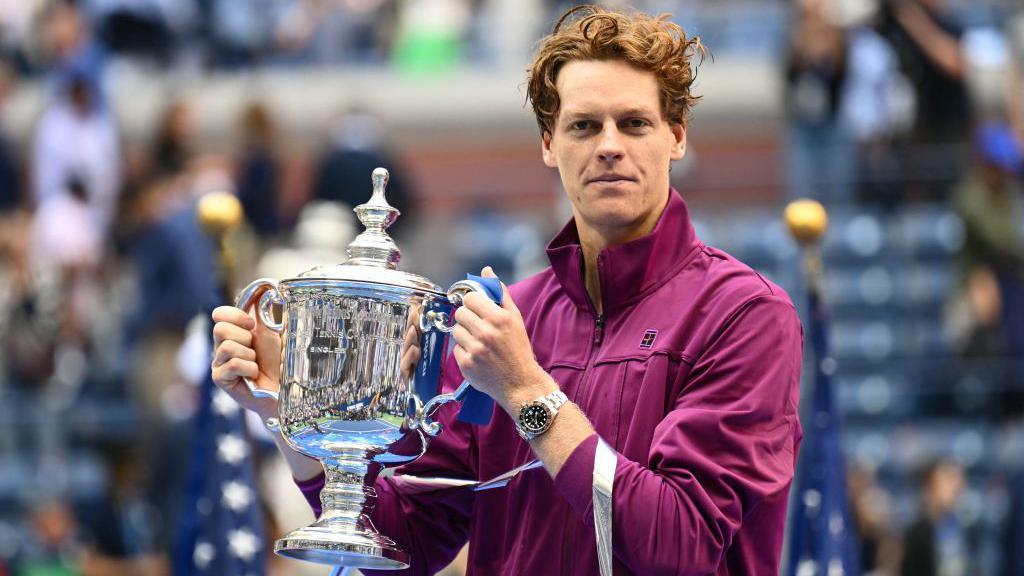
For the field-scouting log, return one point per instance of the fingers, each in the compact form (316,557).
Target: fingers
(461,356)
(412,337)
(230,349)
(233,315)
(467,318)
(223,331)
(506,297)
(410,358)
(228,373)
(463,337)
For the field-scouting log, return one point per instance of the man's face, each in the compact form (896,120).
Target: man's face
(612,148)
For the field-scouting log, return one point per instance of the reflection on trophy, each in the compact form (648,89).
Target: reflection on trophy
(344,399)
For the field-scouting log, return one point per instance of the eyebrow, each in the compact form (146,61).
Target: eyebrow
(636,111)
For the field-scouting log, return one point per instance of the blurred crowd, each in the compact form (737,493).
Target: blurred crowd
(898,106)
(229,34)
(890,107)
(105,269)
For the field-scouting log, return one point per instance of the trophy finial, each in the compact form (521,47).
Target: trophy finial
(807,221)
(380,180)
(374,247)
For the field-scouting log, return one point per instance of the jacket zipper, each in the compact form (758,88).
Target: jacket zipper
(598,329)
(595,342)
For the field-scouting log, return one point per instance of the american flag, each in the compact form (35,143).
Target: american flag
(221,532)
(823,541)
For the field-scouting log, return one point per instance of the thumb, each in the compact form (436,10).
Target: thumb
(506,296)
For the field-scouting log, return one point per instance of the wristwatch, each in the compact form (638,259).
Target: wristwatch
(537,416)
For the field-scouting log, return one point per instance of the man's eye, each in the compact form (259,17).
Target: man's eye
(637,123)
(579,125)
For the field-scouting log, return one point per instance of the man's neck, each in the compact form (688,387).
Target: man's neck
(591,278)
(594,240)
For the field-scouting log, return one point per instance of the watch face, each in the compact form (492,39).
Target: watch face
(535,418)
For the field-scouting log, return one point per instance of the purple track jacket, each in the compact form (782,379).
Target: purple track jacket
(692,376)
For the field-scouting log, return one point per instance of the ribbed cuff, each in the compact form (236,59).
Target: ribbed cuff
(575,481)
(311,490)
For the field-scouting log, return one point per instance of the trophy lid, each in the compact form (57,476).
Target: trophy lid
(373,255)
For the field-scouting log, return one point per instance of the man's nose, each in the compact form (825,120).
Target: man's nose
(610,149)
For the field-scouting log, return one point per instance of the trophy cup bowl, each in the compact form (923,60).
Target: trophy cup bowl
(343,397)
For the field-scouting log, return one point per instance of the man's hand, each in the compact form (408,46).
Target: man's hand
(494,353)
(411,344)
(246,348)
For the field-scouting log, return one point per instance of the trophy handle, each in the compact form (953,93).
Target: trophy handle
(482,405)
(266,290)
(427,424)
(445,323)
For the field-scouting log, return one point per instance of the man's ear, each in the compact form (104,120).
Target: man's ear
(545,150)
(678,141)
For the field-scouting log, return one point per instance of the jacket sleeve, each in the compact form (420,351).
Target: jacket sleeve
(431,527)
(727,444)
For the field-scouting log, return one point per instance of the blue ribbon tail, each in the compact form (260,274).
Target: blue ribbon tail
(478,407)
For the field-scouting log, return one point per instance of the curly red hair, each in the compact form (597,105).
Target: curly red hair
(587,32)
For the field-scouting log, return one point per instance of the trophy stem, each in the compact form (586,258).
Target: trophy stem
(344,535)
(348,495)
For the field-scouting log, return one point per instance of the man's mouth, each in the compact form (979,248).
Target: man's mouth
(611,177)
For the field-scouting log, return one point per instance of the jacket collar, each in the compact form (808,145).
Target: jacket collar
(627,271)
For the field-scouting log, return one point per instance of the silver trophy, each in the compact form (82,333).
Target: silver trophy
(343,398)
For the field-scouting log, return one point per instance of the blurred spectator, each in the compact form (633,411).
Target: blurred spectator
(10,181)
(1015,73)
(174,140)
(937,544)
(430,35)
(927,40)
(65,232)
(68,47)
(77,179)
(992,260)
(110,535)
(258,170)
(1013,554)
(142,28)
(872,516)
(16,27)
(323,231)
(118,529)
(877,107)
(325,31)
(77,140)
(241,31)
(815,72)
(355,149)
(52,547)
(172,259)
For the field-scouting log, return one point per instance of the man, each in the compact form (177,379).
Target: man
(678,361)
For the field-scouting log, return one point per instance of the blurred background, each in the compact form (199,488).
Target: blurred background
(903,117)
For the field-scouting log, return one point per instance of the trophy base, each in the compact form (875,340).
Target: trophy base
(352,549)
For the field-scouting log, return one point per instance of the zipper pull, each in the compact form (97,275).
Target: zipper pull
(598,329)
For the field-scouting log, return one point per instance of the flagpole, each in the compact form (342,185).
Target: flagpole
(823,539)
(220,214)
(221,528)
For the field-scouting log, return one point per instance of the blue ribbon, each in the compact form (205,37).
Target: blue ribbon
(477,407)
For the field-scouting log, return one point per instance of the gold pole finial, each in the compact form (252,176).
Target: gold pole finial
(219,213)
(807,221)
